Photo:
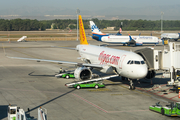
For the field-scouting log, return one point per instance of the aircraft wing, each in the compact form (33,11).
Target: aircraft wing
(64,47)
(60,62)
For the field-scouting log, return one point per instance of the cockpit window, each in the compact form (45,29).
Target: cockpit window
(128,62)
(137,62)
(142,62)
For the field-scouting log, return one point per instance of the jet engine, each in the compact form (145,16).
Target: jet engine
(133,43)
(83,73)
(96,38)
(150,74)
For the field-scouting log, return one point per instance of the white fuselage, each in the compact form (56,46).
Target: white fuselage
(170,35)
(125,39)
(118,59)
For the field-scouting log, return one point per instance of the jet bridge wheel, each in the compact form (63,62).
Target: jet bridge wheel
(177,90)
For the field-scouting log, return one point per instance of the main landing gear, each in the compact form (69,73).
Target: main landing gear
(131,85)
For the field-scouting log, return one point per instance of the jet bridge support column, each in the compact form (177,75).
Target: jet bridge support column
(171,50)
(174,65)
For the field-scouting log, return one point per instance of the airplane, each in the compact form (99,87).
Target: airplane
(174,36)
(119,39)
(126,64)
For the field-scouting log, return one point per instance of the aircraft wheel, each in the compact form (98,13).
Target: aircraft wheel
(67,76)
(78,87)
(162,111)
(132,87)
(177,90)
(96,86)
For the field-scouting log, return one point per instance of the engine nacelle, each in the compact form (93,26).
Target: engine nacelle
(83,73)
(151,74)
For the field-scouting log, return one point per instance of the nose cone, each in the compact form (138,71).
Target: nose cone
(142,72)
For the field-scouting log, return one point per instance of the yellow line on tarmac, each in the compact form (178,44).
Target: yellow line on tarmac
(100,90)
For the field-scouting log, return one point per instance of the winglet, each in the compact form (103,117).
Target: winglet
(83,39)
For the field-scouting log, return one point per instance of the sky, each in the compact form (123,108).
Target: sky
(86,4)
(98,7)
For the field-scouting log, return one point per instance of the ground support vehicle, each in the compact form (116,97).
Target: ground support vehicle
(89,84)
(15,113)
(90,80)
(65,75)
(169,110)
(68,75)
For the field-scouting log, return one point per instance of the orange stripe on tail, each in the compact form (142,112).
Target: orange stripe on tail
(83,39)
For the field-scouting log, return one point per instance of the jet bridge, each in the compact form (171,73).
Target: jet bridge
(171,63)
(150,56)
(166,60)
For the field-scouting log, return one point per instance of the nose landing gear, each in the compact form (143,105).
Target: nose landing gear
(131,85)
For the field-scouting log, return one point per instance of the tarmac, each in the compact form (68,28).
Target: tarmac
(31,84)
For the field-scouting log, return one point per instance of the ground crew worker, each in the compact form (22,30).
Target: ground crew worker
(60,70)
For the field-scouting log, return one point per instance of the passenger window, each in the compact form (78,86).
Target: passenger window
(137,62)
(128,62)
(142,62)
(131,62)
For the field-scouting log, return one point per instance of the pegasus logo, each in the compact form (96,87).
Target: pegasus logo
(82,30)
(94,27)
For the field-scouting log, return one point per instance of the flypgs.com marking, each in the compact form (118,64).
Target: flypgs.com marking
(107,58)
(82,30)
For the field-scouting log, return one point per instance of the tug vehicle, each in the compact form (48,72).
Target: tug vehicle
(170,110)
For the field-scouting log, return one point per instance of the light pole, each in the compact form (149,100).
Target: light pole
(162,21)
(77,11)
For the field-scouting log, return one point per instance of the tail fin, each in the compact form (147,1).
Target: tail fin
(94,28)
(130,38)
(83,39)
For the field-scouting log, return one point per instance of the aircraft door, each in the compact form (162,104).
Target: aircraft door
(121,61)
